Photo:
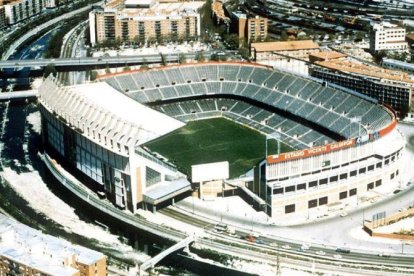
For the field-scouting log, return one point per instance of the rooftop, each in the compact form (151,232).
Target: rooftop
(328,55)
(366,70)
(159,9)
(285,46)
(45,253)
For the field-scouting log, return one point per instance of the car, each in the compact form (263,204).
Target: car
(343,250)
(343,214)
(259,241)
(320,253)
(337,256)
(274,244)
(286,246)
(385,255)
(305,247)
(397,191)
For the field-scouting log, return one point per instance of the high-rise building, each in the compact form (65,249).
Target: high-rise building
(386,36)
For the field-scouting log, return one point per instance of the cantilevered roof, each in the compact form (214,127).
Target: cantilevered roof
(105,115)
(166,190)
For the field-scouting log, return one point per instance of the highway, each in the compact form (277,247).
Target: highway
(77,63)
(38,29)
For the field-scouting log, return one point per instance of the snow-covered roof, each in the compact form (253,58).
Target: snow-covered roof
(104,115)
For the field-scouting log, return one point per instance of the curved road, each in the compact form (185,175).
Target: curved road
(36,30)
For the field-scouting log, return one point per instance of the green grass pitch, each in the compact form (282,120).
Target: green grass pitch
(215,140)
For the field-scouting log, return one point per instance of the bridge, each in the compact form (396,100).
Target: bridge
(154,260)
(19,95)
(88,62)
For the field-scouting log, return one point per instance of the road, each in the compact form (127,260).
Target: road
(36,30)
(92,61)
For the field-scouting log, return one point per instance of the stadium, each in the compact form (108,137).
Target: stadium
(131,135)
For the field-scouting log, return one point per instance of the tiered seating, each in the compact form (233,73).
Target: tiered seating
(228,72)
(174,75)
(142,80)
(322,105)
(244,73)
(190,107)
(297,86)
(168,92)
(184,90)
(189,74)
(259,75)
(127,83)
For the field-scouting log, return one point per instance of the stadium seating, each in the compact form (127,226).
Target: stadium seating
(326,106)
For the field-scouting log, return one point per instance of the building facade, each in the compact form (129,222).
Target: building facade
(389,87)
(3,21)
(249,29)
(386,36)
(26,251)
(16,11)
(297,182)
(143,24)
(268,51)
(97,135)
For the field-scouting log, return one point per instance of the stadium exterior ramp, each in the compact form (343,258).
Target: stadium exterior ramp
(96,132)
(363,151)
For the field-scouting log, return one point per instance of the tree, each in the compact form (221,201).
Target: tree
(232,41)
(163,60)
(93,75)
(214,57)
(50,69)
(181,58)
(283,36)
(199,57)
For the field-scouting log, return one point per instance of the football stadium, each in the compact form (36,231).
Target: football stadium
(292,143)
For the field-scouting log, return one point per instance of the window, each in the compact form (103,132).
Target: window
(387,161)
(313,184)
(333,178)
(312,203)
(397,172)
(362,170)
(278,191)
(301,186)
(371,168)
(343,176)
(290,189)
(323,181)
(290,208)
(323,200)
(378,182)
(343,195)
(392,176)
(353,173)
(379,165)
(370,186)
(352,192)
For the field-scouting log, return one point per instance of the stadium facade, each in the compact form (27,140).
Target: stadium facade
(344,144)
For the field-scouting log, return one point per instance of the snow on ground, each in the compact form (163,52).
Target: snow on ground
(404,224)
(34,121)
(359,234)
(29,184)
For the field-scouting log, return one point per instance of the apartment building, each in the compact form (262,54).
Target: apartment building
(3,21)
(26,251)
(386,36)
(249,29)
(155,22)
(16,11)
(391,87)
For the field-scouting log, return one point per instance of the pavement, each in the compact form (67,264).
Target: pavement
(328,230)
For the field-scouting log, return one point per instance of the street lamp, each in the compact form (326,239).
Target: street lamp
(275,135)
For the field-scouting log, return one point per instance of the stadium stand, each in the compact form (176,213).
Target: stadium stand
(326,107)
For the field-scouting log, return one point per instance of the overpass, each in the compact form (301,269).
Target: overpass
(154,260)
(88,62)
(19,95)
